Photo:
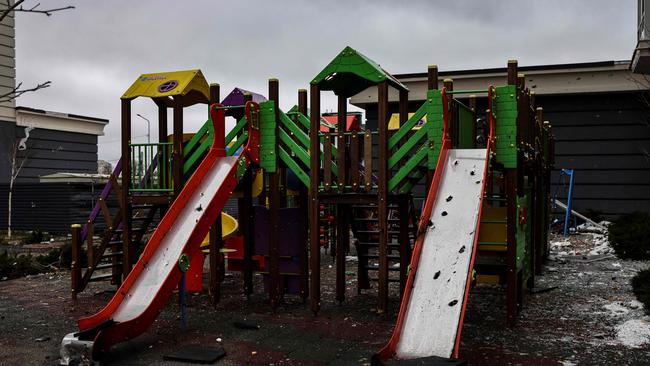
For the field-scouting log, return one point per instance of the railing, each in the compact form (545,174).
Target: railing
(150,167)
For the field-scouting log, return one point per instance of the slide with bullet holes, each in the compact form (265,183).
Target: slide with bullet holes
(431,314)
(148,287)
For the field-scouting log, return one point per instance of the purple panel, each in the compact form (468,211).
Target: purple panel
(236,97)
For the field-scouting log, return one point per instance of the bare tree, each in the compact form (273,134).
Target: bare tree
(16,165)
(17,6)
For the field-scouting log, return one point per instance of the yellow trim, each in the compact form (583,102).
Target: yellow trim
(393,123)
(494,279)
(229,227)
(191,84)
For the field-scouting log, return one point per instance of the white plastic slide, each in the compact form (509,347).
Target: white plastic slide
(434,301)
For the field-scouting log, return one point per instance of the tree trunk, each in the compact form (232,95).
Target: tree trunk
(11,191)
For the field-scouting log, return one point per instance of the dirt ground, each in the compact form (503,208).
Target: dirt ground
(581,312)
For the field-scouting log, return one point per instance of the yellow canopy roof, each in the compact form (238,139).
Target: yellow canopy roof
(393,123)
(190,83)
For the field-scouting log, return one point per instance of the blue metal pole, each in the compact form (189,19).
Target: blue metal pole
(569,204)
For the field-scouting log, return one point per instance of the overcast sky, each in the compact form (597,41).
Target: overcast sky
(94,52)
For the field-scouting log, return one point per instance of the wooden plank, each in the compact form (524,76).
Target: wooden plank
(511,233)
(303,204)
(327,163)
(341,143)
(275,198)
(342,245)
(382,204)
(126,184)
(354,161)
(314,214)
(178,145)
(367,159)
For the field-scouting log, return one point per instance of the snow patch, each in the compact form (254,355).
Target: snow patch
(616,309)
(634,333)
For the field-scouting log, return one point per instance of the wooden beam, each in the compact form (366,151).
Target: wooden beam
(246,222)
(303,205)
(126,185)
(512,72)
(178,145)
(274,210)
(314,255)
(432,77)
(382,198)
(340,142)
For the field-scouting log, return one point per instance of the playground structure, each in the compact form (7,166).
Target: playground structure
(355,180)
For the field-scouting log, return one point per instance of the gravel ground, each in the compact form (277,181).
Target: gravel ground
(587,316)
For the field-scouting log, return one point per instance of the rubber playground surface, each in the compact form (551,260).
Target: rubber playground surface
(583,313)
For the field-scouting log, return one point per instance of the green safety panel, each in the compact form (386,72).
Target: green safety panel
(505,113)
(268,142)
(466,136)
(435,126)
(351,72)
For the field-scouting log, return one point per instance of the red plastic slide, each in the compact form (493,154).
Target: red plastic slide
(149,285)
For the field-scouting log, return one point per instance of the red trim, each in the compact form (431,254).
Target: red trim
(130,329)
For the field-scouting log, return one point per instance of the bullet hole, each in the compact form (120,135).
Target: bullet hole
(199,209)
(478,182)
(472,173)
(455,162)
(435,276)
(450,198)
(444,213)
(453,302)
(430,223)
(462,249)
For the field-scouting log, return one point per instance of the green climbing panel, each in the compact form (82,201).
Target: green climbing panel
(505,113)
(268,143)
(435,126)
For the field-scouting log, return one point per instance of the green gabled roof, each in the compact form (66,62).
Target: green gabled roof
(351,72)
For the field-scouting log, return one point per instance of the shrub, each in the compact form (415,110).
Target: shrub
(34,237)
(641,288)
(630,236)
(14,266)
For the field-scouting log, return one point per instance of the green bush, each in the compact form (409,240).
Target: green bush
(14,266)
(630,236)
(34,237)
(641,288)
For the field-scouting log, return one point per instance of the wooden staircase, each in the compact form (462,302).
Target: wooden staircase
(401,234)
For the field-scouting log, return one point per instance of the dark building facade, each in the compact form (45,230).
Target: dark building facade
(600,113)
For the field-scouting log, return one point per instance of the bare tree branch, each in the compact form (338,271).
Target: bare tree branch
(16,92)
(33,9)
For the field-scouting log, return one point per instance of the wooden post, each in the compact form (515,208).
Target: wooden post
(432,77)
(126,187)
(90,249)
(453,120)
(162,137)
(178,145)
(472,106)
(511,225)
(432,84)
(216,242)
(342,230)
(314,246)
(303,205)
(75,268)
(382,204)
(538,196)
(274,206)
(512,72)
(246,221)
(404,247)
